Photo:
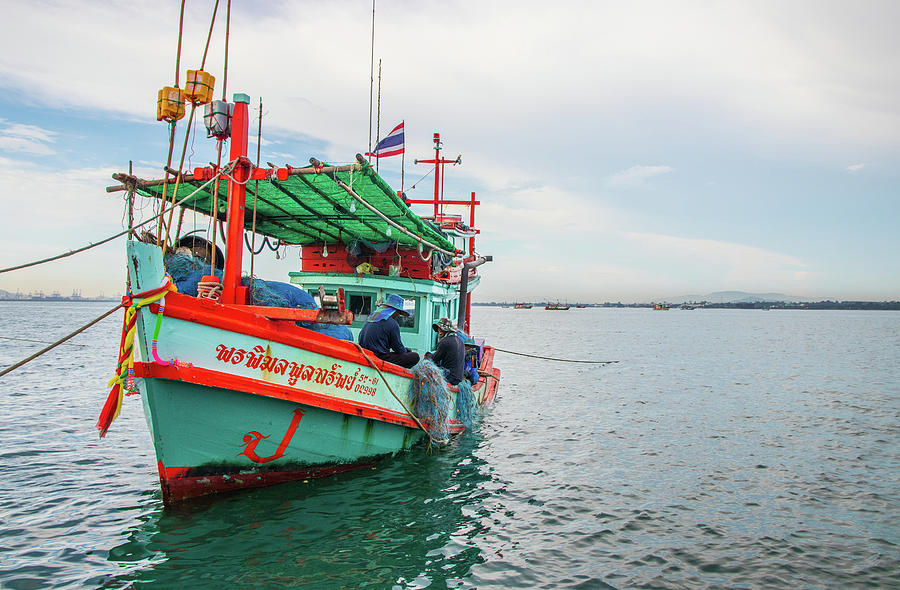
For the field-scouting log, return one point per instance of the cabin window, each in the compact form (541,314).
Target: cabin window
(411,307)
(360,306)
(461,244)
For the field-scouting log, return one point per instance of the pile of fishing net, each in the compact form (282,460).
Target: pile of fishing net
(430,400)
(465,403)
(187,271)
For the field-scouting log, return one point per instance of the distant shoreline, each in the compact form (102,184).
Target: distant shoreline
(761,305)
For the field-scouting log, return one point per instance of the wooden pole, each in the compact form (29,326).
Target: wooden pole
(255,194)
(378,118)
(371,80)
(256,174)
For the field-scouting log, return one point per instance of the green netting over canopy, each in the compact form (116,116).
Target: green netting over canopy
(310,208)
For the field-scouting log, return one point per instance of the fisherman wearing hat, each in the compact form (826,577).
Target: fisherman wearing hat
(450,354)
(381,334)
(470,366)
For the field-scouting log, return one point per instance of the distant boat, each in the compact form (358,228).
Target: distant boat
(580,306)
(661,306)
(556,306)
(523,306)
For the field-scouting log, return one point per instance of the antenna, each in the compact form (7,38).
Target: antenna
(371,79)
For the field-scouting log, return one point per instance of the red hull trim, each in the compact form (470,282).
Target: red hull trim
(176,486)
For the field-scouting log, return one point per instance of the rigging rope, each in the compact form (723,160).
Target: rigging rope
(187,132)
(159,226)
(227,34)
(256,195)
(209,36)
(180,35)
(387,219)
(121,233)
(60,341)
(413,187)
(35,341)
(251,247)
(548,358)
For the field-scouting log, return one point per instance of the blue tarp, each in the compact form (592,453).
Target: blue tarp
(187,271)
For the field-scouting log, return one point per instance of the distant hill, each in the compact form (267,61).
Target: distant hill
(735,297)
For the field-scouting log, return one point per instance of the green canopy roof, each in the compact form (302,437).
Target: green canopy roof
(311,208)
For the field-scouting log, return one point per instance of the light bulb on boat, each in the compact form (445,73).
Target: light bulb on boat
(352,207)
(388,232)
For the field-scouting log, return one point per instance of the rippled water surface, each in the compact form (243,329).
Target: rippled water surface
(728,448)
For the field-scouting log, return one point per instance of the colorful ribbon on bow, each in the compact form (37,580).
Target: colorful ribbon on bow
(123,381)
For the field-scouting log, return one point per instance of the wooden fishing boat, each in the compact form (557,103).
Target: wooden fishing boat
(238,395)
(556,307)
(523,306)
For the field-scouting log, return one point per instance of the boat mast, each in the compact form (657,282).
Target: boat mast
(438,169)
(232,292)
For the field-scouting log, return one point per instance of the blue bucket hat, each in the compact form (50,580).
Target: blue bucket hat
(392,303)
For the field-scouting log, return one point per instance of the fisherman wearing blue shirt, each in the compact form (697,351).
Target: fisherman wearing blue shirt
(381,334)
(450,353)
(471,364)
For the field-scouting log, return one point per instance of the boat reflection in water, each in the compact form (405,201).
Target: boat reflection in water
(382,526)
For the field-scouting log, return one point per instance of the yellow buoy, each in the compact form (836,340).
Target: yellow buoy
(170,104)
(199,87)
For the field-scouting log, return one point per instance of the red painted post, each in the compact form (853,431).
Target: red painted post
(472,225)
(437,171)
(231,286)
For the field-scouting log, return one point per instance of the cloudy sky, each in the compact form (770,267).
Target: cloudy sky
(623,151)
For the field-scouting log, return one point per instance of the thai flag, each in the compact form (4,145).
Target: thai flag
(391,145)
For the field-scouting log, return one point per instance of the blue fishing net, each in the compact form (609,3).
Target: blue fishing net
(187,271)
(262,293)
(430,400)
(465,403)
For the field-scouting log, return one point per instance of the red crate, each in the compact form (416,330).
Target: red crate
(314,261)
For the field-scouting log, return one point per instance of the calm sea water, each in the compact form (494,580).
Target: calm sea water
(728,448)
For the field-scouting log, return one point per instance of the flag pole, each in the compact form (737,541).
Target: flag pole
(378,119)
(403,155)
(371,81)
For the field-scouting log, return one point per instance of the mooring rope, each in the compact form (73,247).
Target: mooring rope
(549,358)
(35,341)
(121,233)
(60,341)
(385,381)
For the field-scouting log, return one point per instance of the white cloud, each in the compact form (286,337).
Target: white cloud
(744,65)
(28,139)
(855,167)
(59,210)
(282,156)
(722,265)
(637,175)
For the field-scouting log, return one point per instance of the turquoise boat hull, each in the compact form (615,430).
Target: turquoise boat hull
(236,400)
